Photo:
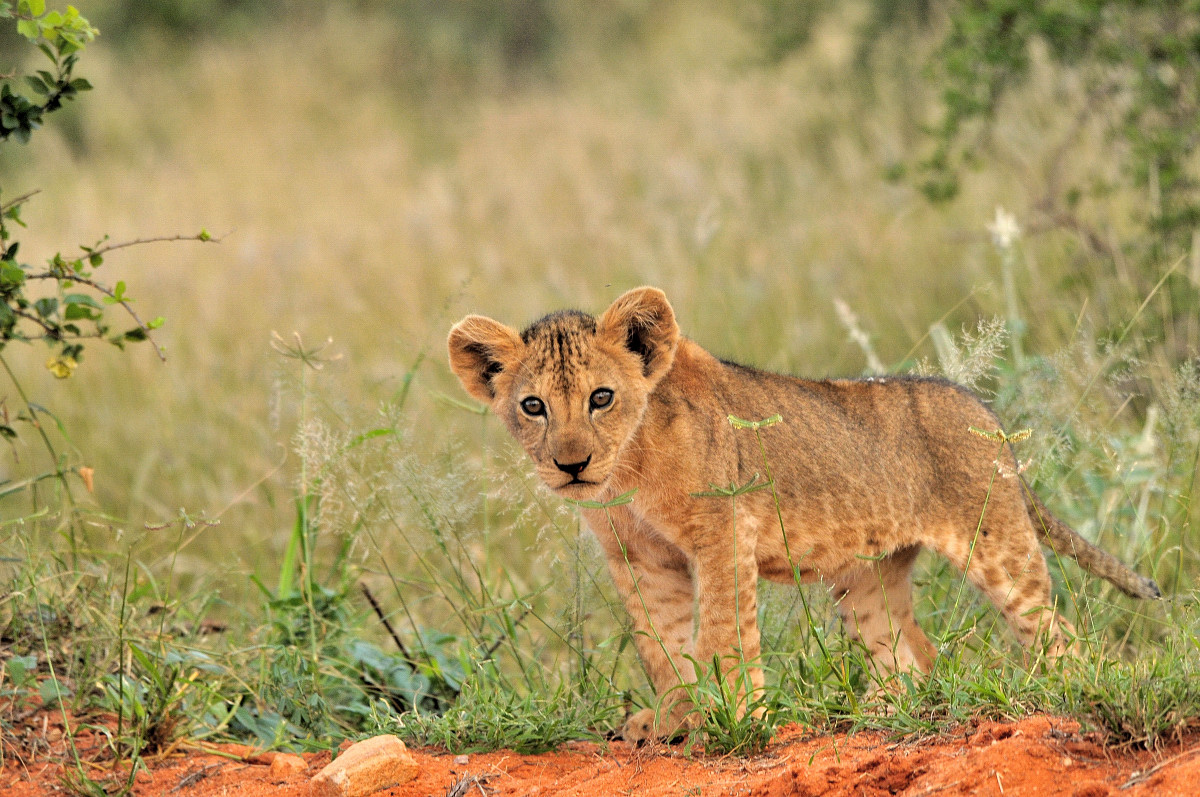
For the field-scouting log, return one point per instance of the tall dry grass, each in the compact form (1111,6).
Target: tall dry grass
(752,191)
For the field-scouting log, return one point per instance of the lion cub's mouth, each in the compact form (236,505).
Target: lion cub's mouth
(575,480)
(577,487)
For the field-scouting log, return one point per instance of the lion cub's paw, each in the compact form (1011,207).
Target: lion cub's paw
(648,725)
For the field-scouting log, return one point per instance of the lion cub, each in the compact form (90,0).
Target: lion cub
(867,473)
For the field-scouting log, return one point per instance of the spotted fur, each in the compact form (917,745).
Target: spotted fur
(867,473)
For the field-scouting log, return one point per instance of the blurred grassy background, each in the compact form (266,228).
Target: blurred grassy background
(378,169)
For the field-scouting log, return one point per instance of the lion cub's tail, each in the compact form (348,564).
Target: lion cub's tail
(1065,541)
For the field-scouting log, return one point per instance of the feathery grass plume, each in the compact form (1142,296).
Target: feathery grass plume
(1181,402)
(971,361)
(858,336)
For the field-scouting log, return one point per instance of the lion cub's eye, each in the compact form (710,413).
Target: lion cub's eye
(601,398)
(533,406)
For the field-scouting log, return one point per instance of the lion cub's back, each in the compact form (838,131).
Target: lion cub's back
(875,437)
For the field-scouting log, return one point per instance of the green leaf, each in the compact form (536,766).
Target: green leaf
(82,298)
(739,423)
(36,7)
(11,274)
(620,500)
(46,306)
(75,312)
(118,294)
(52,691)
(37,84)
(29,29)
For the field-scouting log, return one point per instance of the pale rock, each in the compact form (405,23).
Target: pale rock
(365,768)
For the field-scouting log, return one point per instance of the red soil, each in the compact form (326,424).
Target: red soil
(1036,756)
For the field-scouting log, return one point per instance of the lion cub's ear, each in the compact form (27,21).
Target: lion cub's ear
(480,349)
(642,321)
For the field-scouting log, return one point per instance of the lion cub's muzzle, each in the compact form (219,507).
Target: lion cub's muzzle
(573,469)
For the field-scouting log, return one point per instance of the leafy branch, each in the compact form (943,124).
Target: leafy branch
(61,304)
(60,36)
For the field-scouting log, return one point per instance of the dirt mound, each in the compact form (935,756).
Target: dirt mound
(1036,756)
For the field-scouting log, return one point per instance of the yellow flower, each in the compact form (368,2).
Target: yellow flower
(60,366)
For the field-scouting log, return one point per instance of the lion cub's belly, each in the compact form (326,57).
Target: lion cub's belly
(805,559)
(778,570)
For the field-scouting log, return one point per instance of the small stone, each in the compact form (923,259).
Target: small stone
(285,765)
(365,768)
(461,760)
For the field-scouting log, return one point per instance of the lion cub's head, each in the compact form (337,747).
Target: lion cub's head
(571,388)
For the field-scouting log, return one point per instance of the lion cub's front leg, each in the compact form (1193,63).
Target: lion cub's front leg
(726,571)
(656,585)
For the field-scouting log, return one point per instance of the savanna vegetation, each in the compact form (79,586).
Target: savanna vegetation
(295,528)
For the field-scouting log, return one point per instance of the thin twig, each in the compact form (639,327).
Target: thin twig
(31,317)
(110,294)
(366,591)
(462,787)
(19,200)
(1141,777)
(201,237)
(487,655)
(193,778)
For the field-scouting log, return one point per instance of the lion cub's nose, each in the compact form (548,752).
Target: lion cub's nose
(573,469)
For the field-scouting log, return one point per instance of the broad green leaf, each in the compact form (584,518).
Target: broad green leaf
(37,84)
(82,298)
(46,306)
(75,312)
(11,274)
(29,29)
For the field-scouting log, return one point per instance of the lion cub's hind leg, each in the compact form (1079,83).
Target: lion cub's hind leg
(876,606)
(1003,558)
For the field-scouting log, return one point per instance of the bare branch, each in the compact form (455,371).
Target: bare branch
(203,237)
(19,200)
(31,317)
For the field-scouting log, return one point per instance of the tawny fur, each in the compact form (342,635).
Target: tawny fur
(867,473)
